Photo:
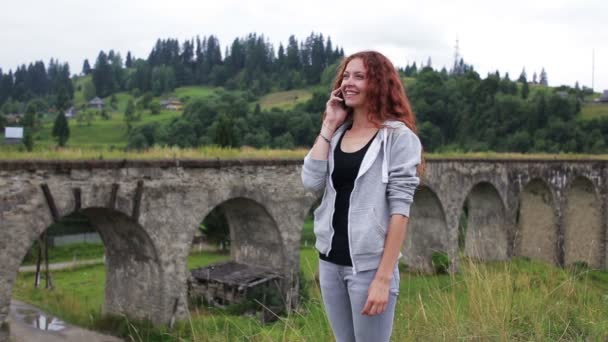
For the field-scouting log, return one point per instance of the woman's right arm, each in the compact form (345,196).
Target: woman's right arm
(315,169)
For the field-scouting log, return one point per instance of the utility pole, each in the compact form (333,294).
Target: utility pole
(456,58)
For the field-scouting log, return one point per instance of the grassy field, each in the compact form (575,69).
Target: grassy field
(107,152)
(520,300)
(79,88)
(285,99)
(205,152)
(408,82)
(192,92)
(72,252)
(594,110)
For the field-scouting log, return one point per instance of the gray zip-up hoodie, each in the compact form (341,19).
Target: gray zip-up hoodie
(384,186)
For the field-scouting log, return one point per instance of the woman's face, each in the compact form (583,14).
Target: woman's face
(354,83)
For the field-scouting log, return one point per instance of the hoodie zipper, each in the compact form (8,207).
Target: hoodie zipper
(333,205)
(350,250)
(350,200)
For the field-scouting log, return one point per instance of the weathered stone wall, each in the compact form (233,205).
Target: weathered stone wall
(518,207)
(486,235)
(583,234)
(147,213)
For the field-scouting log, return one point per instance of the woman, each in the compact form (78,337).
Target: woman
(365,160)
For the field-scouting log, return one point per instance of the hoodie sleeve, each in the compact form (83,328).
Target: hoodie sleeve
(402,180)
(314,173)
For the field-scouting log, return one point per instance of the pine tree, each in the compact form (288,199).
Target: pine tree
(86,67)
(543,78)
(130,114)
(61,129)
(129,61)
(525,90)
(293,54)
(534,78)
(28,138)
(103,77)
(522,77)
(281,58)
(63,100)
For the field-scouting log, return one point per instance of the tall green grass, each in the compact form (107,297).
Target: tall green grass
(517,300)
(46,152)
(205,152)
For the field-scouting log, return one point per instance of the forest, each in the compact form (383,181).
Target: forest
(456,109)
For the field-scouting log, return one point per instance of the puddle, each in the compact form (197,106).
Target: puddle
(38,320)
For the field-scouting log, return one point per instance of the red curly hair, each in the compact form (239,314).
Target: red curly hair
(386,97)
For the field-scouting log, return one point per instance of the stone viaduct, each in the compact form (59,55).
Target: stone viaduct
(148,211)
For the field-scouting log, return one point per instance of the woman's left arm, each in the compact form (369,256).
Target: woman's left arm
(402,182)
(377,296)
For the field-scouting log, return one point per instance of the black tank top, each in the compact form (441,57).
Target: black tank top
(346,168)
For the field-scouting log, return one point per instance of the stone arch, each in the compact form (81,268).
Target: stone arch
(427,230)
(486,235)
(536,235)
(23,217)
(583,233)
(254,234)
(134,279)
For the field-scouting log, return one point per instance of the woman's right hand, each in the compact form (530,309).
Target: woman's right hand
(335,110)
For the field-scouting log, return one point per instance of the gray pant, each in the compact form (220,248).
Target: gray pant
(344,296)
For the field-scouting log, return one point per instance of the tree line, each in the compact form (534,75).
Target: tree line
(52,84)
(463,112)
(457,110)
(249,63)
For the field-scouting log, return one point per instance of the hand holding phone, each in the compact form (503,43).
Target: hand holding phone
(335,109)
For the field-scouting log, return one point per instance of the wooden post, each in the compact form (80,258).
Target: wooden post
(48,282)
(38,261)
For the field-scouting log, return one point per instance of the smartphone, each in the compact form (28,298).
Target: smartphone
(342,103)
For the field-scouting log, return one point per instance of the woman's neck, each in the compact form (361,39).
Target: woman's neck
(360,119)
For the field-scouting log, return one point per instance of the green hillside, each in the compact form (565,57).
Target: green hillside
(285,99)
(594,110)
(112,133)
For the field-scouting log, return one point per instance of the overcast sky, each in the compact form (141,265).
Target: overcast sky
(505,35)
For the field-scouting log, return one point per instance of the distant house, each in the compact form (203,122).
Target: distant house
(13,135)
(14,118)
(604,97)
(171,104)
(96,103)
(70,113)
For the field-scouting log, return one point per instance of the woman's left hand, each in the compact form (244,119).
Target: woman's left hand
(377,298)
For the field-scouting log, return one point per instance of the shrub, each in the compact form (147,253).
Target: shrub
(441,262)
